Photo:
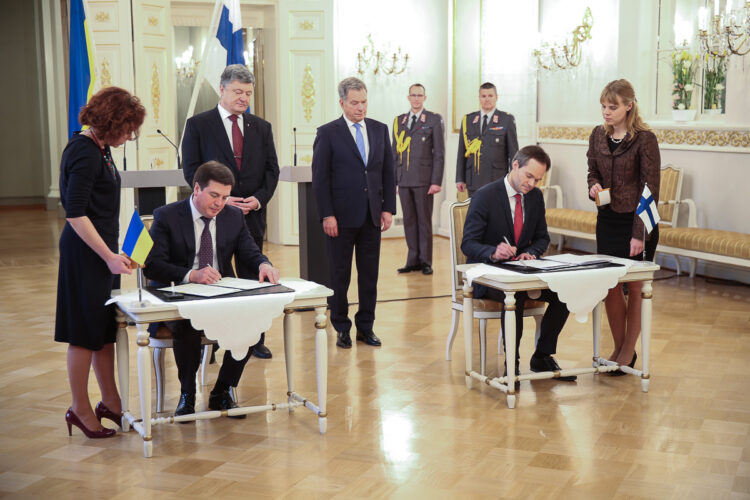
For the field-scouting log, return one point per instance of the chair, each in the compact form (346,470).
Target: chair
(484,309)
(163,339)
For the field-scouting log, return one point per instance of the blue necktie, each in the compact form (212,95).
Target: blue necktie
(361,143)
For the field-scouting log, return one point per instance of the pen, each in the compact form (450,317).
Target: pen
(508,242)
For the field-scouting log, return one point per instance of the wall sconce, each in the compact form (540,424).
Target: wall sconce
(568,54)
(729,33)
(368,57)
(186,64)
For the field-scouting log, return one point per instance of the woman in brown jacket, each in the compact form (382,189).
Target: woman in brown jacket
(623,156)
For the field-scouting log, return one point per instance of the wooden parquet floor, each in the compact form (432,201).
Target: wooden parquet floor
(401,422)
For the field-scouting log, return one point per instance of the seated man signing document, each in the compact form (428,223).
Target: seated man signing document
(194,242)
(506,221)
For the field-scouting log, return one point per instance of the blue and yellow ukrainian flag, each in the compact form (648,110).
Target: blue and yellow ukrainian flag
(137,242)
(82,70)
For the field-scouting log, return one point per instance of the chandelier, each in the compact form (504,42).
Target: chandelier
(729,33)
(186,64)
(389,64)
(567,54)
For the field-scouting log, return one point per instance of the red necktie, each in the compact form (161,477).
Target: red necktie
(236,141)
(518,219)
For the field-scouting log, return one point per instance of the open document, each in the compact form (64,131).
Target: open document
(222,287)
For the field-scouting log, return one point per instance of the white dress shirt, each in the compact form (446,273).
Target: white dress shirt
(353,130)
(198,228)
(228,128)
(482,114)
(512,200)
(411,113)
(228,123)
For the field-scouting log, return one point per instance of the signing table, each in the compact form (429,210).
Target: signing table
(309,295)
(569,287)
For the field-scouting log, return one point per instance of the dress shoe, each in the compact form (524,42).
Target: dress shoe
(102,411)
(517,383)
(222,400)
(408,269)
(262,352)
(620,373)
(546,363)
(426,269)
(186,406)
(368,337)
(72,419)
(343,340)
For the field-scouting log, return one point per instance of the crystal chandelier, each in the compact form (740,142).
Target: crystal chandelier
(728,34)
(380,62)
(568,54)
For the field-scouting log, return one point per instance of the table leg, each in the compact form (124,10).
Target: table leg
(123,366)
(646,314)
(596,319)
(321,366)
(510,346)
(468,329)
(289,355)
(144,386)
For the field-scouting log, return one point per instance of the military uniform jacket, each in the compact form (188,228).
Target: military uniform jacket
(499,144)
(421,159)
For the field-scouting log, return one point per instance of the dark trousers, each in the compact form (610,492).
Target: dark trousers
(552,322)
(187,356)
(416,207)
(256,224)
(366,241)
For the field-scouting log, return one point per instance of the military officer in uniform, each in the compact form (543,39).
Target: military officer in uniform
(419,152)
(487,143)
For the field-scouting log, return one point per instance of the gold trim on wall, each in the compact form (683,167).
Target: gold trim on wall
(307,26)
(308,93)
(102,17)
(106,74)
(155,92)
(306,160)
(667,136)
(153,21)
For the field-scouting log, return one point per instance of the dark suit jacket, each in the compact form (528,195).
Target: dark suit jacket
(343,186)
(426,153)
(206,139)
(489,220)
(499,146)
(174,249)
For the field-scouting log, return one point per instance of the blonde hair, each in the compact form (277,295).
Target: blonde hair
(621,91)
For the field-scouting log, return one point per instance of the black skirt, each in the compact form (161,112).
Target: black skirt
(84,284)
(614,232)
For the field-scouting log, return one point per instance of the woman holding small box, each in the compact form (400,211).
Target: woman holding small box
(623,157)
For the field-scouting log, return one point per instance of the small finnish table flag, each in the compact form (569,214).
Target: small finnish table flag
(647,210)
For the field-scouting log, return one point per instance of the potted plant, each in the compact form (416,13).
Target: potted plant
(684,66)
(714,81)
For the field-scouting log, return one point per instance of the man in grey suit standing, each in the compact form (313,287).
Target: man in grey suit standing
(419,153)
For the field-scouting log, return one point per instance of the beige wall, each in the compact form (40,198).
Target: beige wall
(23,172)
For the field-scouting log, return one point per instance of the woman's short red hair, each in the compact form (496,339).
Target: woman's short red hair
(113,112)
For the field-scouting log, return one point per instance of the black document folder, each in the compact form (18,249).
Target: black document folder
(167,296)
(564,266)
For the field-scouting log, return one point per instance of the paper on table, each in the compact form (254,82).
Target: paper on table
(535,263)
(200,290)
(241,284)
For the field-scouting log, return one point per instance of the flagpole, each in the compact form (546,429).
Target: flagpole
(202,66)
(644,233)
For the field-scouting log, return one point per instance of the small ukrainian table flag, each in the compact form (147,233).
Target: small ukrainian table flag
(137,242)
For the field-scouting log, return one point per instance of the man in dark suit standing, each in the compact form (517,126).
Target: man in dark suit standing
(419,151)
(355,190)
(244,143)
(487,143)
(511,209)
(194,242)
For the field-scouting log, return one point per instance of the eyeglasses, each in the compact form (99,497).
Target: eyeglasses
(414,96)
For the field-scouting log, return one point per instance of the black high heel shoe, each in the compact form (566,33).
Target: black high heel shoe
(101,411)
(72,419)
(620,373)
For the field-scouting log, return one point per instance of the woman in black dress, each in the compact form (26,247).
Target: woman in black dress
(623,156)
(89,261)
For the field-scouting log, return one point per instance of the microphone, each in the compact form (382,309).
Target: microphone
(294,129)
(177,150)
(125,160)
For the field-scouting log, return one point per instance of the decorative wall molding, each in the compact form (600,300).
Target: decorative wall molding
(155,92)
(306,25)
(308,93)
(670,136)
(105,73)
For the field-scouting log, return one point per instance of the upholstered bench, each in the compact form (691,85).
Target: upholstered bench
(722,247)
